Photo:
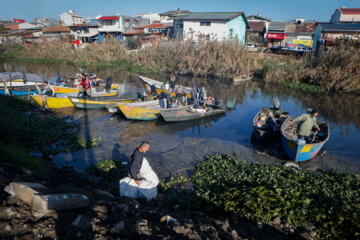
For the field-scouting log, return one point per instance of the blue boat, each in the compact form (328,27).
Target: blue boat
(300,151)
(18,93)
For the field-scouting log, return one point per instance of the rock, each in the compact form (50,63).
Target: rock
(118,227)
(168,219)
(76,222)
(277,221)
(41,214)
(103,194)
(234,234)
(142,227)
(59,201)
(163,219)
(101,209)
(25,191)
(68,189)
(79,234)
(7,227)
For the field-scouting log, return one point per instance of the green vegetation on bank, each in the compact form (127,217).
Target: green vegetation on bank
(27,128)
(330,200)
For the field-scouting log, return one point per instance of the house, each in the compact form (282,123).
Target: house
(220,26)
(22,26)
(131,23)
(85,33)
(299,32)
(70,18)
(58,32)
(153,17)
(111,26)
(346,15)
(256,32)
(276,34)
(326,33)
(45,22)
(167,17)
(149,33)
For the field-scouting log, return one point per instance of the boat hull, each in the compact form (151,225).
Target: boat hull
(60,102)
(18,93)
(263,134)
(302,152)
(139,113)
(60,89)
(94,103)
(158,85)
(180,115)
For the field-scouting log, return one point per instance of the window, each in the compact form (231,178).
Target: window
(205,23)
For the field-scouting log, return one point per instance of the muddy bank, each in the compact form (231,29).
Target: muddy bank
(113,217)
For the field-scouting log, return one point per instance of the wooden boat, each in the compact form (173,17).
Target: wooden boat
(62,89)
(159,89)
(18,93)
(295,149)
(63,101)
(149,110)
(261,133)
(98,102)
(187,114)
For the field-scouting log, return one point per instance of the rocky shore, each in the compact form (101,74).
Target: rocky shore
(107,216)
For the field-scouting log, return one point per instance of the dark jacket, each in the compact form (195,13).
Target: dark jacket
(136,163)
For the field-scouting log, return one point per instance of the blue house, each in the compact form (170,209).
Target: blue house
(205,26)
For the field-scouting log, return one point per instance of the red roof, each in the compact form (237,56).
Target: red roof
(154,25)
(256,26)
(109,18)
(350,10)
(56,29)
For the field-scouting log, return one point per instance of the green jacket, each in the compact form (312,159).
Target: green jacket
(305,122)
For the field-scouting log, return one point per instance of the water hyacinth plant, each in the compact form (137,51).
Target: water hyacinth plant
(330,200)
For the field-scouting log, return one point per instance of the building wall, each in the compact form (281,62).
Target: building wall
(66,19)
(216,31)
(350,18)
(335,18)
(112,25)
(238,27)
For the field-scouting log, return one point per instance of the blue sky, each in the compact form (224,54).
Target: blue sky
(319,10)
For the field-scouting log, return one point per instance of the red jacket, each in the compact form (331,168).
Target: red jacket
(85,83)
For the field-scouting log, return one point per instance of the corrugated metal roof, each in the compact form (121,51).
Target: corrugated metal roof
(277,26)
(210,16)
(340,27)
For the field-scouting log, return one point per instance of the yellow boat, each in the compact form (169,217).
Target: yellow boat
(62,101)
(61,89)
(158,85)
(98,102)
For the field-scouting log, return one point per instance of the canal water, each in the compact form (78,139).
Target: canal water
(177,147)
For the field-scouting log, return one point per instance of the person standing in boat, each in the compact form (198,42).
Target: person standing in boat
(172,81)
(48,89)
(306,122)
(169,98)
(84,89)
(147,92)
(209,103)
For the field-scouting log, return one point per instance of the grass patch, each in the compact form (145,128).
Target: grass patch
(109,170)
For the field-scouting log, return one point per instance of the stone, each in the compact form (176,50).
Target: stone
(101,209)
(103,194)
(76,222)
(68,189)
(59,201)
(25,190)
(234,234)
(141,226)
(8,227)
(277,221)
(118,227)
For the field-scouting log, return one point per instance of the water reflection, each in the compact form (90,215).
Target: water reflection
(180,145)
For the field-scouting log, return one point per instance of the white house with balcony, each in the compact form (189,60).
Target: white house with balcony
(346,15)
(111,26)
(70,18)
(205,26)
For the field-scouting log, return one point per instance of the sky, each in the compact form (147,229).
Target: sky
(278,10)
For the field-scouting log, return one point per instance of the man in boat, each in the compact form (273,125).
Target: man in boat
(169,98)
(139,166)
(147,92)
(172,81)
(84,89)
(48,89)
(270,123)
(306,122)
(209,103)
(165,85)
(184,100)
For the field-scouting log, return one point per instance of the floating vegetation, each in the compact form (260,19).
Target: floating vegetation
(109,170)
